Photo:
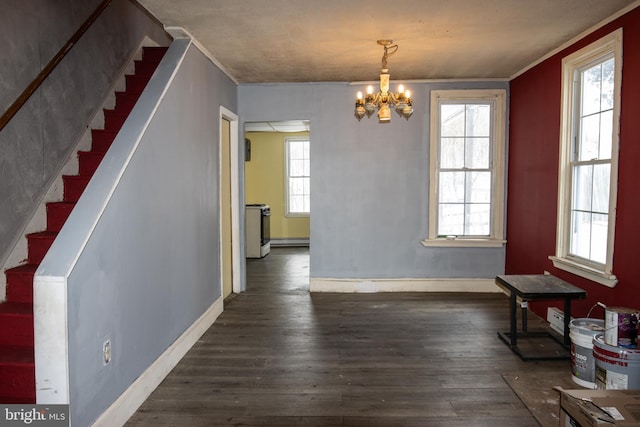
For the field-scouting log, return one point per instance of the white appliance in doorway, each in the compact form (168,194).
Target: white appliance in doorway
(257,228)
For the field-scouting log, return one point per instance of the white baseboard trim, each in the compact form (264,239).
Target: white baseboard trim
(402,285)
(129,401)
(290,242)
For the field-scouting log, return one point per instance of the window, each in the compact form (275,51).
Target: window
(298,179)
(467,168)
(588,160)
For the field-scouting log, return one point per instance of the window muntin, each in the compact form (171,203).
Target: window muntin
(588,160)
(467,168)
(298,176)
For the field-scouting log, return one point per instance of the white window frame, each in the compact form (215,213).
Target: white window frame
(497,97)
(603,274)
(288,213)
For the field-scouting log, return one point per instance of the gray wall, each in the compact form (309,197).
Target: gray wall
(369,183)
(150,267)
(37,142)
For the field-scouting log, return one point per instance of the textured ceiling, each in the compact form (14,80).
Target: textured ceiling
(335,40)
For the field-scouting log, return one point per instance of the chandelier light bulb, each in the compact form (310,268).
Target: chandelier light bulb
(369,90)
(400,89)
(359,95)
(408,94)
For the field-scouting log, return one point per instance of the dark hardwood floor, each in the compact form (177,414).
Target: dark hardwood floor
(279,356)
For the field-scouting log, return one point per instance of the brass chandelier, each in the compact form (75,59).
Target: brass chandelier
(384,100)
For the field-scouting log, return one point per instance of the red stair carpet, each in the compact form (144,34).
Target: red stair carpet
(17,368)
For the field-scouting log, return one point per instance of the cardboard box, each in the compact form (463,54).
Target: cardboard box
(595,408)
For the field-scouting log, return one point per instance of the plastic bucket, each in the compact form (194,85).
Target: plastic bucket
(582,332)
(616,368)
(621,327)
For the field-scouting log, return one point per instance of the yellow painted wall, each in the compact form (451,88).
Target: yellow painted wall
(265,182)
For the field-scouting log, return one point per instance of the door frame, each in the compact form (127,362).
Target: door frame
(236,266)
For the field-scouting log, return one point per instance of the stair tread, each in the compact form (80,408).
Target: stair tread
(62,203)
(13,400)
(117,111)
(16,308)
(16,354)
(24,268)
(101,131)
(42,234)
(76,177)
(96,153)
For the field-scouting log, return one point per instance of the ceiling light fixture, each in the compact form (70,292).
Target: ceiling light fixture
(384,99)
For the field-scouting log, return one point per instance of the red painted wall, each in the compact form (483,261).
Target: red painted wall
(534,132)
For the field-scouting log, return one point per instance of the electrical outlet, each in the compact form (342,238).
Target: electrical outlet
(106,352)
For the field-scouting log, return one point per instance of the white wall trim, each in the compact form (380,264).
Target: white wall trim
(129,401)
(51,340)
(402,285)
(294,241)
(234,146)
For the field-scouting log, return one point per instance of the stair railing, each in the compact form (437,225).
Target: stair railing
(40,78)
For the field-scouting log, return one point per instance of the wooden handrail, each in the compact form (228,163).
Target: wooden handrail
(37,82)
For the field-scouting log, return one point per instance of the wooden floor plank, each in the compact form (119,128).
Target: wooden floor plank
(279,356)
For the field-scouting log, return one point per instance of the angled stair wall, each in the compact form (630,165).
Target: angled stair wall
(17,367)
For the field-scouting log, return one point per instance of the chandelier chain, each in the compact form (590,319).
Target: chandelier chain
(388,51)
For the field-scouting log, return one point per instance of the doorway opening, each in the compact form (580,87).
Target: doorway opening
(277,175)
(230,258)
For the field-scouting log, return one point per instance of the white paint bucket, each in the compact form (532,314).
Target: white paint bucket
(616,368)
(582,332)
(621,327)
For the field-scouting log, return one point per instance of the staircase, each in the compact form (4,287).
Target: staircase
(17,368)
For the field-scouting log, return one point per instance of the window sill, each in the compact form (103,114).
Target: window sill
(464,243)
(582,270)
(297,215)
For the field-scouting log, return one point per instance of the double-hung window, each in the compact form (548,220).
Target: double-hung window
(467,158)
(298,179)
(588,160)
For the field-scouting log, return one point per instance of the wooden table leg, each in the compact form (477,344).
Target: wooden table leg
(567,319)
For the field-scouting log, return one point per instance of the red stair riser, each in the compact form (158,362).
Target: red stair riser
(114,119)
(153,54)
(57,214)
(89,161)
(126,101)
(20,283)
(136,84)
(17,378)
(74,186)
(38,245)
(16,329)
(20,288)
(101,139)
(145,68)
